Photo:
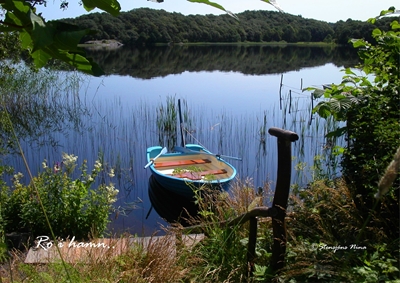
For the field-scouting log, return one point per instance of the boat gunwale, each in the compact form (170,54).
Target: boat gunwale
(153,151)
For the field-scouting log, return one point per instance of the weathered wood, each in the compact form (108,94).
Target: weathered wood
(283,134)
(102,249)
(281,195)
(251,248)
(180,162)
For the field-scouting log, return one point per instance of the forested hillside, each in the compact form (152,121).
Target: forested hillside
(148,26)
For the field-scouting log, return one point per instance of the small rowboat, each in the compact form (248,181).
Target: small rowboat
(181,172)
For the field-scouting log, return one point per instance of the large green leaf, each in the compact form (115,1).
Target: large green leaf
(26,40)
(337,133)
(78,61)
(40,58)
(318,93)
(111,6)
(67,36)
(273,3)
(17,15)
(216,5)
(42,34)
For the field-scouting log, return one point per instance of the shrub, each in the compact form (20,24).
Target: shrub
(73,206)
(370,106)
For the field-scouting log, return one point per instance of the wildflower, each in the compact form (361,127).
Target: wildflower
(112,193)
(16,178)
(57,167)
(69,160)
(44,164)
(97,165)
(111,174)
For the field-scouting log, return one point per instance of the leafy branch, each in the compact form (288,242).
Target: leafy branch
(379,60)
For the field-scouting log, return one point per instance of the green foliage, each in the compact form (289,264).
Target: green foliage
(377,266)
(323,242)
(4,192)
(369,104)
(222,254)
(10,47)
(72,206)
(46,40)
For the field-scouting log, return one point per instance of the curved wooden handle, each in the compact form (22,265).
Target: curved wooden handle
(283,134)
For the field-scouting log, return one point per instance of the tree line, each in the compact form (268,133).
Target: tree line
(146,26)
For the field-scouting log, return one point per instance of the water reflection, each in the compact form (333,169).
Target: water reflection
(170,206)
(151,62)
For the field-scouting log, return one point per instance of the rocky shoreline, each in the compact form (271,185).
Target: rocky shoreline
(102,44)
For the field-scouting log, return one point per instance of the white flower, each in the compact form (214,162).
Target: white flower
(69,160)
(44,164)
(18,176)
(112,193)
(111,174)
(97,164)
(16,179)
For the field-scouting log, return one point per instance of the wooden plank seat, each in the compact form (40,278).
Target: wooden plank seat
(180,162)
(199,175)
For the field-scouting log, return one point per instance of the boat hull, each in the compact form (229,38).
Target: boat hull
(183,173)
(171,206)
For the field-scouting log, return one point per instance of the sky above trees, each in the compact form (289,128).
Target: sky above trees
(325,10)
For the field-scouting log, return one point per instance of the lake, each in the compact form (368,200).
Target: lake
(231,95)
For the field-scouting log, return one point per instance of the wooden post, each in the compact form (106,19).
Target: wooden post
(251,248)
(312,107)
(183,142)
(280,93)
(285,138)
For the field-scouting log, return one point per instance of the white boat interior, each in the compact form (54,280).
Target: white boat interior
(193,167)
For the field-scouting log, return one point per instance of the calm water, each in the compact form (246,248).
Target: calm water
(228,109)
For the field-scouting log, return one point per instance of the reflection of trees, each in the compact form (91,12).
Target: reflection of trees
(161,61)
(40,104)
